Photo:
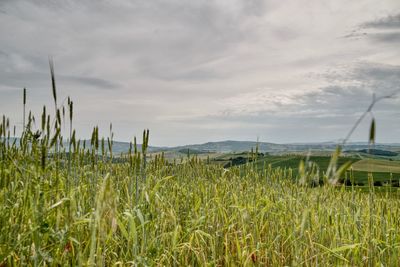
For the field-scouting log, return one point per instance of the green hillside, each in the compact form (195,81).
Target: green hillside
(382,170)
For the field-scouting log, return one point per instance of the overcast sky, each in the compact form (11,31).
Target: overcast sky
(198,71)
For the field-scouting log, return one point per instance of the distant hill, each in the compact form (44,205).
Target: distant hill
(231,146)
(241,146)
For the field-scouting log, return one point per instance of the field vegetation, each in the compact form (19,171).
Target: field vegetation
(65,202)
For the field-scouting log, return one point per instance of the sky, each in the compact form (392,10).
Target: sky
(206,70)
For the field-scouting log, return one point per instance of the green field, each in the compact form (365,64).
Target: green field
(63,203)
(81,209)
(382,169)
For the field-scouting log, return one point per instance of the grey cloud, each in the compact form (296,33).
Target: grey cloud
(374,77)
(385,37)
(201,33)
(197,54)
(324,107)
(90,81)
(391,37)
(323,114)
(180,35)
(196,75)
(389,22)
(376,72)
(385,29)
(257,7)
(41,79)
(366,79)
(21,70)
(20,79)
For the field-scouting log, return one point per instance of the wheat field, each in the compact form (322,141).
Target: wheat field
(68,202)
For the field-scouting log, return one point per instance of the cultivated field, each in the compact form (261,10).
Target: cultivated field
(64,202)
(82,209)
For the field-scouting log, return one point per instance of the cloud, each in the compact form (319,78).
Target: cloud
(90,81)
(328,110)
(385,29)
(354,84)
(392,37)
(194,71)
(389,22)
(20,72)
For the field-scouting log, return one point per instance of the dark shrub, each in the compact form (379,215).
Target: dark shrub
(395,183)
(348,182)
